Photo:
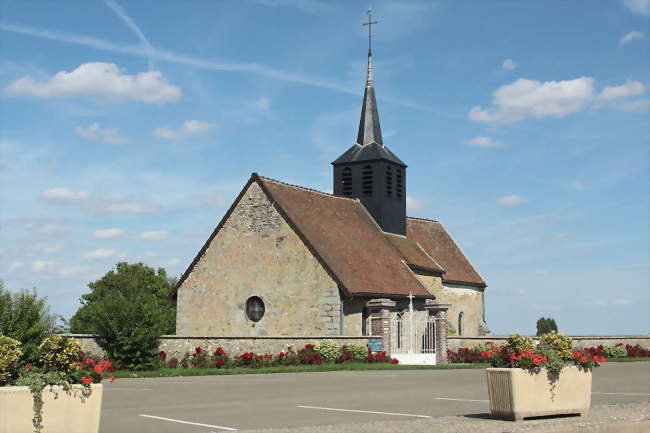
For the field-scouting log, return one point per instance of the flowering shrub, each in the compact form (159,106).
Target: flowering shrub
(220,358)
(10,354)
(60,354)
(200,358)
(637,351)
(380,357)
(329,350)
(559,343)
(587,361)
(356,351)
(478,354)
(518,343)
(617,351)
(308,355)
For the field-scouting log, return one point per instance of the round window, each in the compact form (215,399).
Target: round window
(254,308)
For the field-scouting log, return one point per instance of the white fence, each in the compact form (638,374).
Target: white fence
(410,334)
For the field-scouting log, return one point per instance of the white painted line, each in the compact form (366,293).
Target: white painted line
(189,422)
(621,393)
(365,411)
(457,399)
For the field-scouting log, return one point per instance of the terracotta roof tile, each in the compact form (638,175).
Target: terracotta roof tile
(413,253)
(347,240)
(432,236)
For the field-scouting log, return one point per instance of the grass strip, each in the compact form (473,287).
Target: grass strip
(177,372)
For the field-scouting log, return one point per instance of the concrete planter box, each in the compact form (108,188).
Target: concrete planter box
(516,393)
(63,414)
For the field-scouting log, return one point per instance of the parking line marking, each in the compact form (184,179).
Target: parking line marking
(621,393)
(365,411)
(457,399)
(189,422)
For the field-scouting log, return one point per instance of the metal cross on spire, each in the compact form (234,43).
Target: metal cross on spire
(369,24)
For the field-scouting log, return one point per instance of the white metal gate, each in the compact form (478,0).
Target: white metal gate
(412,334)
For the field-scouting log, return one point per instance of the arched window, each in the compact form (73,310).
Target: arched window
(460,323)
(389,181)
(399,191)
(255,308)
(346,180)
(366,177)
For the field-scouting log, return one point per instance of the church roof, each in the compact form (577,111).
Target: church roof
(369,152)
(435,240)
(346,239)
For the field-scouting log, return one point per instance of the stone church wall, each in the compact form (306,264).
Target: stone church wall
(256,253)
(463,299)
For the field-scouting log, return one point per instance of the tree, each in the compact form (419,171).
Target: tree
(25,317)
(545,326)
(131,281)
(128,309)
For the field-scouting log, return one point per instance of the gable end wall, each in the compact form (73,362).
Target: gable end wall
(256,253)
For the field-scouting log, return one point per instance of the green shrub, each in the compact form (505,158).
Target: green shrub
(10,354)
(129,329)
(25,317)
(518,343)
(359,352)
(59,354)
(329,350)
(615,351)
(559,343)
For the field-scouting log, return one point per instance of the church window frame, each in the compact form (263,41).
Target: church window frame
(255,309)
(461,319)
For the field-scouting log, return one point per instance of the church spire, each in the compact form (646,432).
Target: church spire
(369,129)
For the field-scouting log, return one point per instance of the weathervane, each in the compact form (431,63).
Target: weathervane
(369,24)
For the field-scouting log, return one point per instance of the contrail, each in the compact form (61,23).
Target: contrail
(133,26)
(214,65)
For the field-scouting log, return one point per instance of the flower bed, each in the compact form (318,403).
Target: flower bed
(325,353)
(618,351)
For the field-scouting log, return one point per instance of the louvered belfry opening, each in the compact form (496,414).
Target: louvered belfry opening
(398,184)
(346,181)
(389,181)
(367,180)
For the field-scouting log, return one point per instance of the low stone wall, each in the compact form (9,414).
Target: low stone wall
(579,341)
(177,345)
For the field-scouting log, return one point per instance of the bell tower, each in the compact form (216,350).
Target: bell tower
(368,170)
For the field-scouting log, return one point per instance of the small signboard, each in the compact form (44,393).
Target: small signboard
(376,344)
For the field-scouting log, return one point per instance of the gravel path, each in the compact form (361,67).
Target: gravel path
(624,418)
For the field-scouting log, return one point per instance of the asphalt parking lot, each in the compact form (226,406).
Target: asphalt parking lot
(229,403)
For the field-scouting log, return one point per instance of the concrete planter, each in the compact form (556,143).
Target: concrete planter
(516,393)
(62,413)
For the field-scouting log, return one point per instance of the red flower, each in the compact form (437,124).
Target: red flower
(89,361)
(163,355)
(603,360)
(583,360)
(99,368)
(219,362)
(86,380)
(111,378)
(394,361)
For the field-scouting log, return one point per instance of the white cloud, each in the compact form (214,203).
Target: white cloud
(102,253)
(509,64)
(105,81)
(14,266)
(47,249)
(42,265)
(189,128)
(414,204)
(121,204)
(109,233)
(641,7)
(629,89)
(159,235)
(512,200)
(63,195)
(632,36)
(534,99)
(95,132)
(172,262)
(72,270)
(638,106)
(482,141)
(541,272)
(560,236)
(622,301)
(50,229)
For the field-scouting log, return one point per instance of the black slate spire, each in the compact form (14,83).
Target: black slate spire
(368,170)
(369,129)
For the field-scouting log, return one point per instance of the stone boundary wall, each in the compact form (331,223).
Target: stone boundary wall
(177,345)
(579,341)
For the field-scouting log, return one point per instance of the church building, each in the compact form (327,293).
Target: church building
(290,260)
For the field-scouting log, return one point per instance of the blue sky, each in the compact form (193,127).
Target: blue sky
(127,128)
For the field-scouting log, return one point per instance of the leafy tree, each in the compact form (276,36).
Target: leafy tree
(136,282)
(128,309)
(545,326)
(25,317)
